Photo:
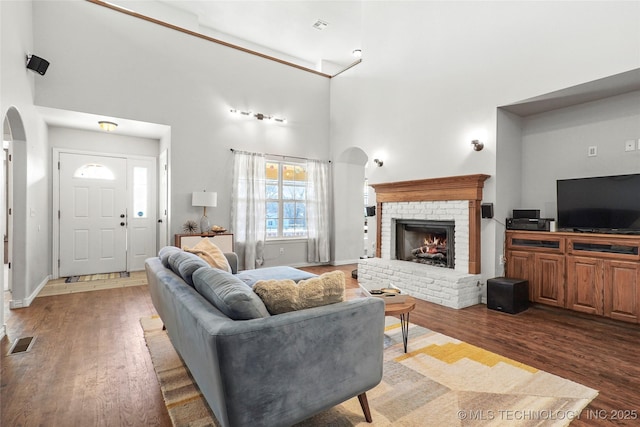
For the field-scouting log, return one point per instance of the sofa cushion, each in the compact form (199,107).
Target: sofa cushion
(251,277)
(184,264)
(229,294)
(282,296)
(212,254)
(165,252)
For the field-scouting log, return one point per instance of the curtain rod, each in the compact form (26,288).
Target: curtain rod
(233,150)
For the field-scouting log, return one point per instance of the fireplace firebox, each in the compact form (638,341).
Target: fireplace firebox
(425,241)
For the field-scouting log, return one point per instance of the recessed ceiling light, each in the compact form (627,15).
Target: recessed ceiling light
(320,24)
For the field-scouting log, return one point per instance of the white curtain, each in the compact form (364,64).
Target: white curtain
(318,210)
(248,210)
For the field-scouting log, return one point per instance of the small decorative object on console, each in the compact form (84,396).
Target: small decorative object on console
(190,227)
(389,295)
(218,229)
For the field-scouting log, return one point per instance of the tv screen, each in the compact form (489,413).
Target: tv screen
(600,204)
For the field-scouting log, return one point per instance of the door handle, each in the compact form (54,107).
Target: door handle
(122,224)
(159,221)
(121,215)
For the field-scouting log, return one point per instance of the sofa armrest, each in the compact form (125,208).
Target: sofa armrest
(232,257)
(285,368)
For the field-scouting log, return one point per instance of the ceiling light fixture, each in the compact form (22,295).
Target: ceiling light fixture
(107,126)
(259,116)
(357,53)
(378,162)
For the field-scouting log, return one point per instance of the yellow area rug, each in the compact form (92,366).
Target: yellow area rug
(440,381)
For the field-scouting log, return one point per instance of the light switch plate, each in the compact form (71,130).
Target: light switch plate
(593,151)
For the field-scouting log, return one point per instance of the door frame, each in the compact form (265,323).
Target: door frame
(55,172)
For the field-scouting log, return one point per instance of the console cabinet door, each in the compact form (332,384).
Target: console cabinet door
(548,280)
(621,282)
(585,285)
(519,267)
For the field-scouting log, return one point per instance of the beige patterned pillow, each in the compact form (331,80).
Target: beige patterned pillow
(282,296)
(212,254)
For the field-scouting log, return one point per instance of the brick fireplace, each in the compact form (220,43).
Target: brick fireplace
(452,203)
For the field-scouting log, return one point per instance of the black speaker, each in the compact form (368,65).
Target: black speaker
(487,210)
(526,213)
(37,64)
(508,295)
(370,210)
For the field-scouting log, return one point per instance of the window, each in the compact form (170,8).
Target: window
(140,191)
(94,171)
(286,188)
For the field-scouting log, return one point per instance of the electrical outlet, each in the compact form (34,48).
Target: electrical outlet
(630,145)
(281,251)
(593,151)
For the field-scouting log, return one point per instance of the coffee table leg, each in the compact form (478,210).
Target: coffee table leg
(404,324)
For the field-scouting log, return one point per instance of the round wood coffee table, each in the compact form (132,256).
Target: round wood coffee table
(402,310)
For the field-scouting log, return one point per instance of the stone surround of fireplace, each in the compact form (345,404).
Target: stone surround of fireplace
(454,200)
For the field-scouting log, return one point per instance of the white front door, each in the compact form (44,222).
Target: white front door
(93,216)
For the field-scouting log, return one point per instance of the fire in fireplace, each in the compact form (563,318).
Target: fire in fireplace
(425,241)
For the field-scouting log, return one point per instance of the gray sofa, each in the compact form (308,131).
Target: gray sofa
(270,370)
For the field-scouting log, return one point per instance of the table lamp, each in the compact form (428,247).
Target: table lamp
(204,199)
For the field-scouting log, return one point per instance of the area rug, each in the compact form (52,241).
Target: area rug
(441,381)
(90,277)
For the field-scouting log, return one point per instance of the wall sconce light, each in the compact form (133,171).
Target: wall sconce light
(477,145)
(204,199)
(107,126)
(378,162)
(259,116)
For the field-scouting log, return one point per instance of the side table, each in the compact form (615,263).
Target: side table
(402,310)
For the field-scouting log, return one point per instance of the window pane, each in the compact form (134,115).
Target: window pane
(288,192)
(300,173)
(288,173)
(94,171)
(272,210)
(301,192)
(272,171)
(140,192)
(272,190)
(301,210)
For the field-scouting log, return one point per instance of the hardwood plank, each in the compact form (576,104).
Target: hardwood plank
(90,365)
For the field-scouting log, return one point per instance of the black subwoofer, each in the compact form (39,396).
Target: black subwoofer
(508,295)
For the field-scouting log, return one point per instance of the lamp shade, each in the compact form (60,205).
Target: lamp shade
(202,198)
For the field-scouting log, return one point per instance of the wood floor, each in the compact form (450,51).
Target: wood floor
(89,364)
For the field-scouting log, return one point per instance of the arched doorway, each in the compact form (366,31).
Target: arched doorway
(349,178)
(14,205)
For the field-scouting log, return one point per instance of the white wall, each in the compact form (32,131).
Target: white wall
(31,236)
(434,73)
(555,144)
(102,142)
(105,62)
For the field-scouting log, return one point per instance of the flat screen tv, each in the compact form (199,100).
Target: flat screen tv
(605,204)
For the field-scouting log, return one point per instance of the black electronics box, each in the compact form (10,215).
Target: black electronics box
(531,224)
(507,295)
(526,213)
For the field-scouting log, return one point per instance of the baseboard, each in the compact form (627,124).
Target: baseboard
(27,301)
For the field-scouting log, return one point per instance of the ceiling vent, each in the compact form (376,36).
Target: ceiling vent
(320,24)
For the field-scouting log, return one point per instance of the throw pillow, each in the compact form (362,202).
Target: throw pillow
(212,254)
(165,252)
(185,264)
(229,294)
(282,296)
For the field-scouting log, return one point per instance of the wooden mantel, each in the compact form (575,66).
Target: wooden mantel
(463,187)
